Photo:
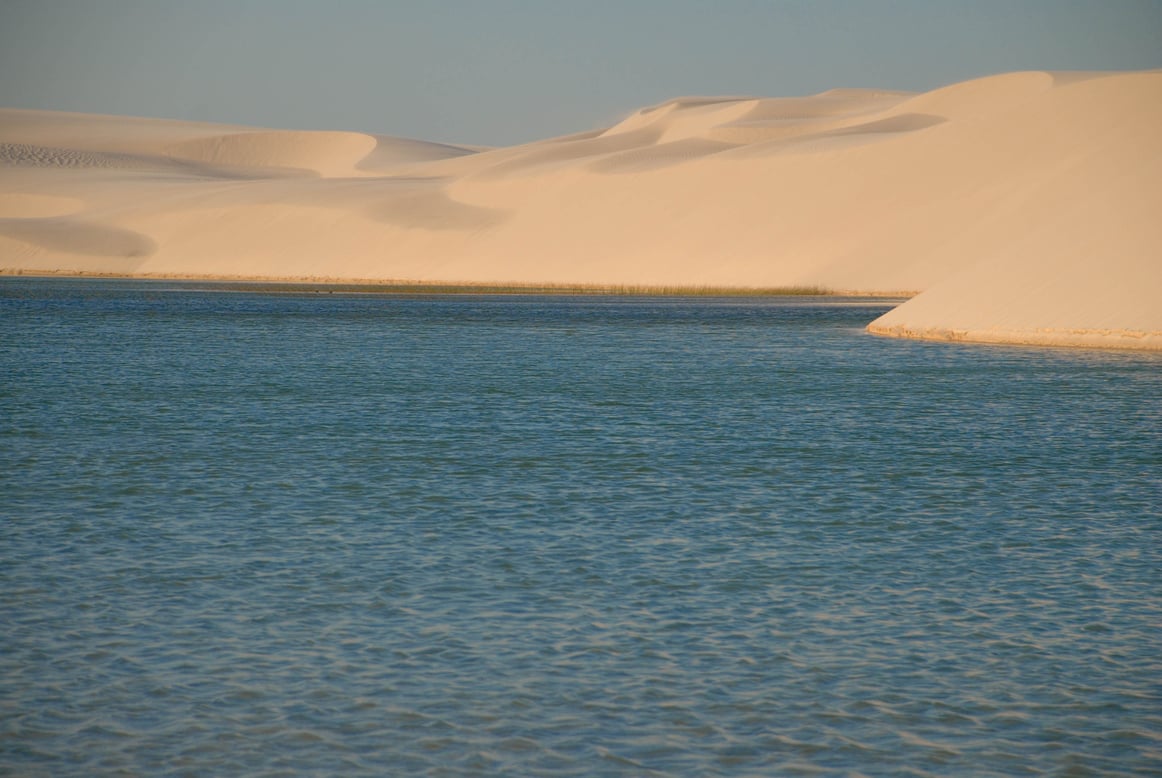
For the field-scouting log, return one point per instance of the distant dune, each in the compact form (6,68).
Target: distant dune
(1024,208)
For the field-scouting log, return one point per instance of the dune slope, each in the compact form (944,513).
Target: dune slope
(1021,206)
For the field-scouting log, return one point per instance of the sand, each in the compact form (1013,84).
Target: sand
(1018,208)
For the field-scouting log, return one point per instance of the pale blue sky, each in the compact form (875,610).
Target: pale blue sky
(506,71)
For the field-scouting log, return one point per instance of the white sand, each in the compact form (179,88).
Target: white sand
(1024,207)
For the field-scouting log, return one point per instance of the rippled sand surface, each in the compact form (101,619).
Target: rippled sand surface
(295,534)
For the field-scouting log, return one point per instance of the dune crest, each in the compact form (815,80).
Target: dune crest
(1022,207)
(328,154)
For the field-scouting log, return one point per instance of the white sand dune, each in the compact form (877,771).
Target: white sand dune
(330,154)
(1022,207)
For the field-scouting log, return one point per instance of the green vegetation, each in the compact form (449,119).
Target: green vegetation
(626,290)
(318,285)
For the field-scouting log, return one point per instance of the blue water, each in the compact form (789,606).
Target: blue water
(337,534)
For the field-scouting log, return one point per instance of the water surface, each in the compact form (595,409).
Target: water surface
(337,534)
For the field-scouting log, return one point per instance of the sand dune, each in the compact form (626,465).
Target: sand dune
(330,154)
(1022,206)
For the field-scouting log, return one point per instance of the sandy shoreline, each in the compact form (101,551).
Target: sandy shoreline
(1099,339)
(1086,339)
(404,286)
(1017,208)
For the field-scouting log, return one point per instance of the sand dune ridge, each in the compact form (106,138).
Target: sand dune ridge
(1023,206)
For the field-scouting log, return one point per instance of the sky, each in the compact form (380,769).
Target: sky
(499,72)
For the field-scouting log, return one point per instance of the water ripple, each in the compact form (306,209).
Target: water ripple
(305,534)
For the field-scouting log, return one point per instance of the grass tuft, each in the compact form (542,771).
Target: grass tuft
(324,285)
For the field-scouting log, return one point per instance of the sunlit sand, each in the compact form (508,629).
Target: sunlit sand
(1021,207)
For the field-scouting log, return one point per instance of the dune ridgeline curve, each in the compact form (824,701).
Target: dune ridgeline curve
(1017,208)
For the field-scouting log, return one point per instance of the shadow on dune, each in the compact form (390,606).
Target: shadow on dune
(78,237)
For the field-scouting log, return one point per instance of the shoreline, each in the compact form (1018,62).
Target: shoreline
(1138,341)
(1108,339)
(421,287)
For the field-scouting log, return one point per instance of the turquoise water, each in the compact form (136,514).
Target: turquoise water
(332,534)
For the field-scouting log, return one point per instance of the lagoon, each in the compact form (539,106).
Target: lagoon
(297,533)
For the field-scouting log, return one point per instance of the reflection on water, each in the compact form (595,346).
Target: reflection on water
(337,534)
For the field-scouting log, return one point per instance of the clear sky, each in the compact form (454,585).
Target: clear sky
(507,71)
